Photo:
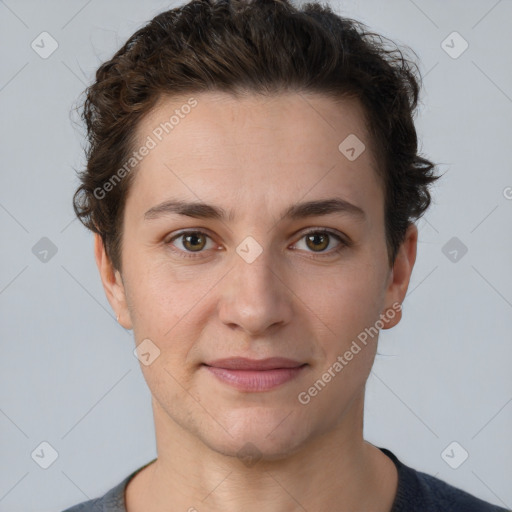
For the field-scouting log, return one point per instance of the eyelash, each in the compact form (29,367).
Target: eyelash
(187,254)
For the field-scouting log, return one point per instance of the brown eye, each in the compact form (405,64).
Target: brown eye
(321,242)
(194,241)
(190,244)
(317,241)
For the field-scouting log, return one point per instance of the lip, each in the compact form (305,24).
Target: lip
(252,375)
(242,363)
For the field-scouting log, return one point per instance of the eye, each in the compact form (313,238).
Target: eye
(190,242)
(193,244)
(318,240)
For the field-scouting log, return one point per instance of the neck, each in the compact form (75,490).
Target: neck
(335,468)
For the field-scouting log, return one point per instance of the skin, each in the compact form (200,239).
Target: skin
(257,156)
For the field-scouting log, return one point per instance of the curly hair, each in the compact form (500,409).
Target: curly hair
(263,46)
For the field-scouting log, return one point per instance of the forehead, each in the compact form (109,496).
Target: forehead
(281,118)
(273,148)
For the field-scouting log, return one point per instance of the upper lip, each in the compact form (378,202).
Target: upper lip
(242,363)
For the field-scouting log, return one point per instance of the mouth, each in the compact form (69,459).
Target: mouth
(252,375)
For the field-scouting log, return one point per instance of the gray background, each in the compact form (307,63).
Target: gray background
(69,377)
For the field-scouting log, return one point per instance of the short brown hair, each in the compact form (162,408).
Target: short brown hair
(263,46)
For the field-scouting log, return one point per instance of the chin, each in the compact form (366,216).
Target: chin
(257,436)
(251,450)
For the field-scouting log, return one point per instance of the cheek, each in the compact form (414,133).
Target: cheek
(348,300)
(348,307)
(172,314)
(164,297)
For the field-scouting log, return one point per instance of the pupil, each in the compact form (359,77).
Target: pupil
(194,238)
(315,238)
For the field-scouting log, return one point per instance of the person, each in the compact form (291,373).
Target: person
(253,182)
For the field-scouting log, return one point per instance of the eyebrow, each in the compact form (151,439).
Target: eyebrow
(200,210)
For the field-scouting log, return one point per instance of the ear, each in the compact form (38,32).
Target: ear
(399,278)
(112,283)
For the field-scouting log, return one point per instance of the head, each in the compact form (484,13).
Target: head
(254,109)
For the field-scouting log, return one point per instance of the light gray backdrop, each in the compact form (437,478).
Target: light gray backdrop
(69,377)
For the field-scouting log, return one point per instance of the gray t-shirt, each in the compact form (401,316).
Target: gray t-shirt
(417,492)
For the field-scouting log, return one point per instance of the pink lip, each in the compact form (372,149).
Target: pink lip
(255,375)
(242,363)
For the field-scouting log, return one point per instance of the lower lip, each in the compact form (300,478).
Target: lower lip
(255,380)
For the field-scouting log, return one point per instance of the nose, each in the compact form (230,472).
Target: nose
(255,297)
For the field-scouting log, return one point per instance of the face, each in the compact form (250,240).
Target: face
(288,260)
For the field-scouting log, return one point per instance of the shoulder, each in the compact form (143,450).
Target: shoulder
(112,501)
(444,496)
(87,506)
(418,491)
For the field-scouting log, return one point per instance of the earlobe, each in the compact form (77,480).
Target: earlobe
(112,283)
(400,276)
